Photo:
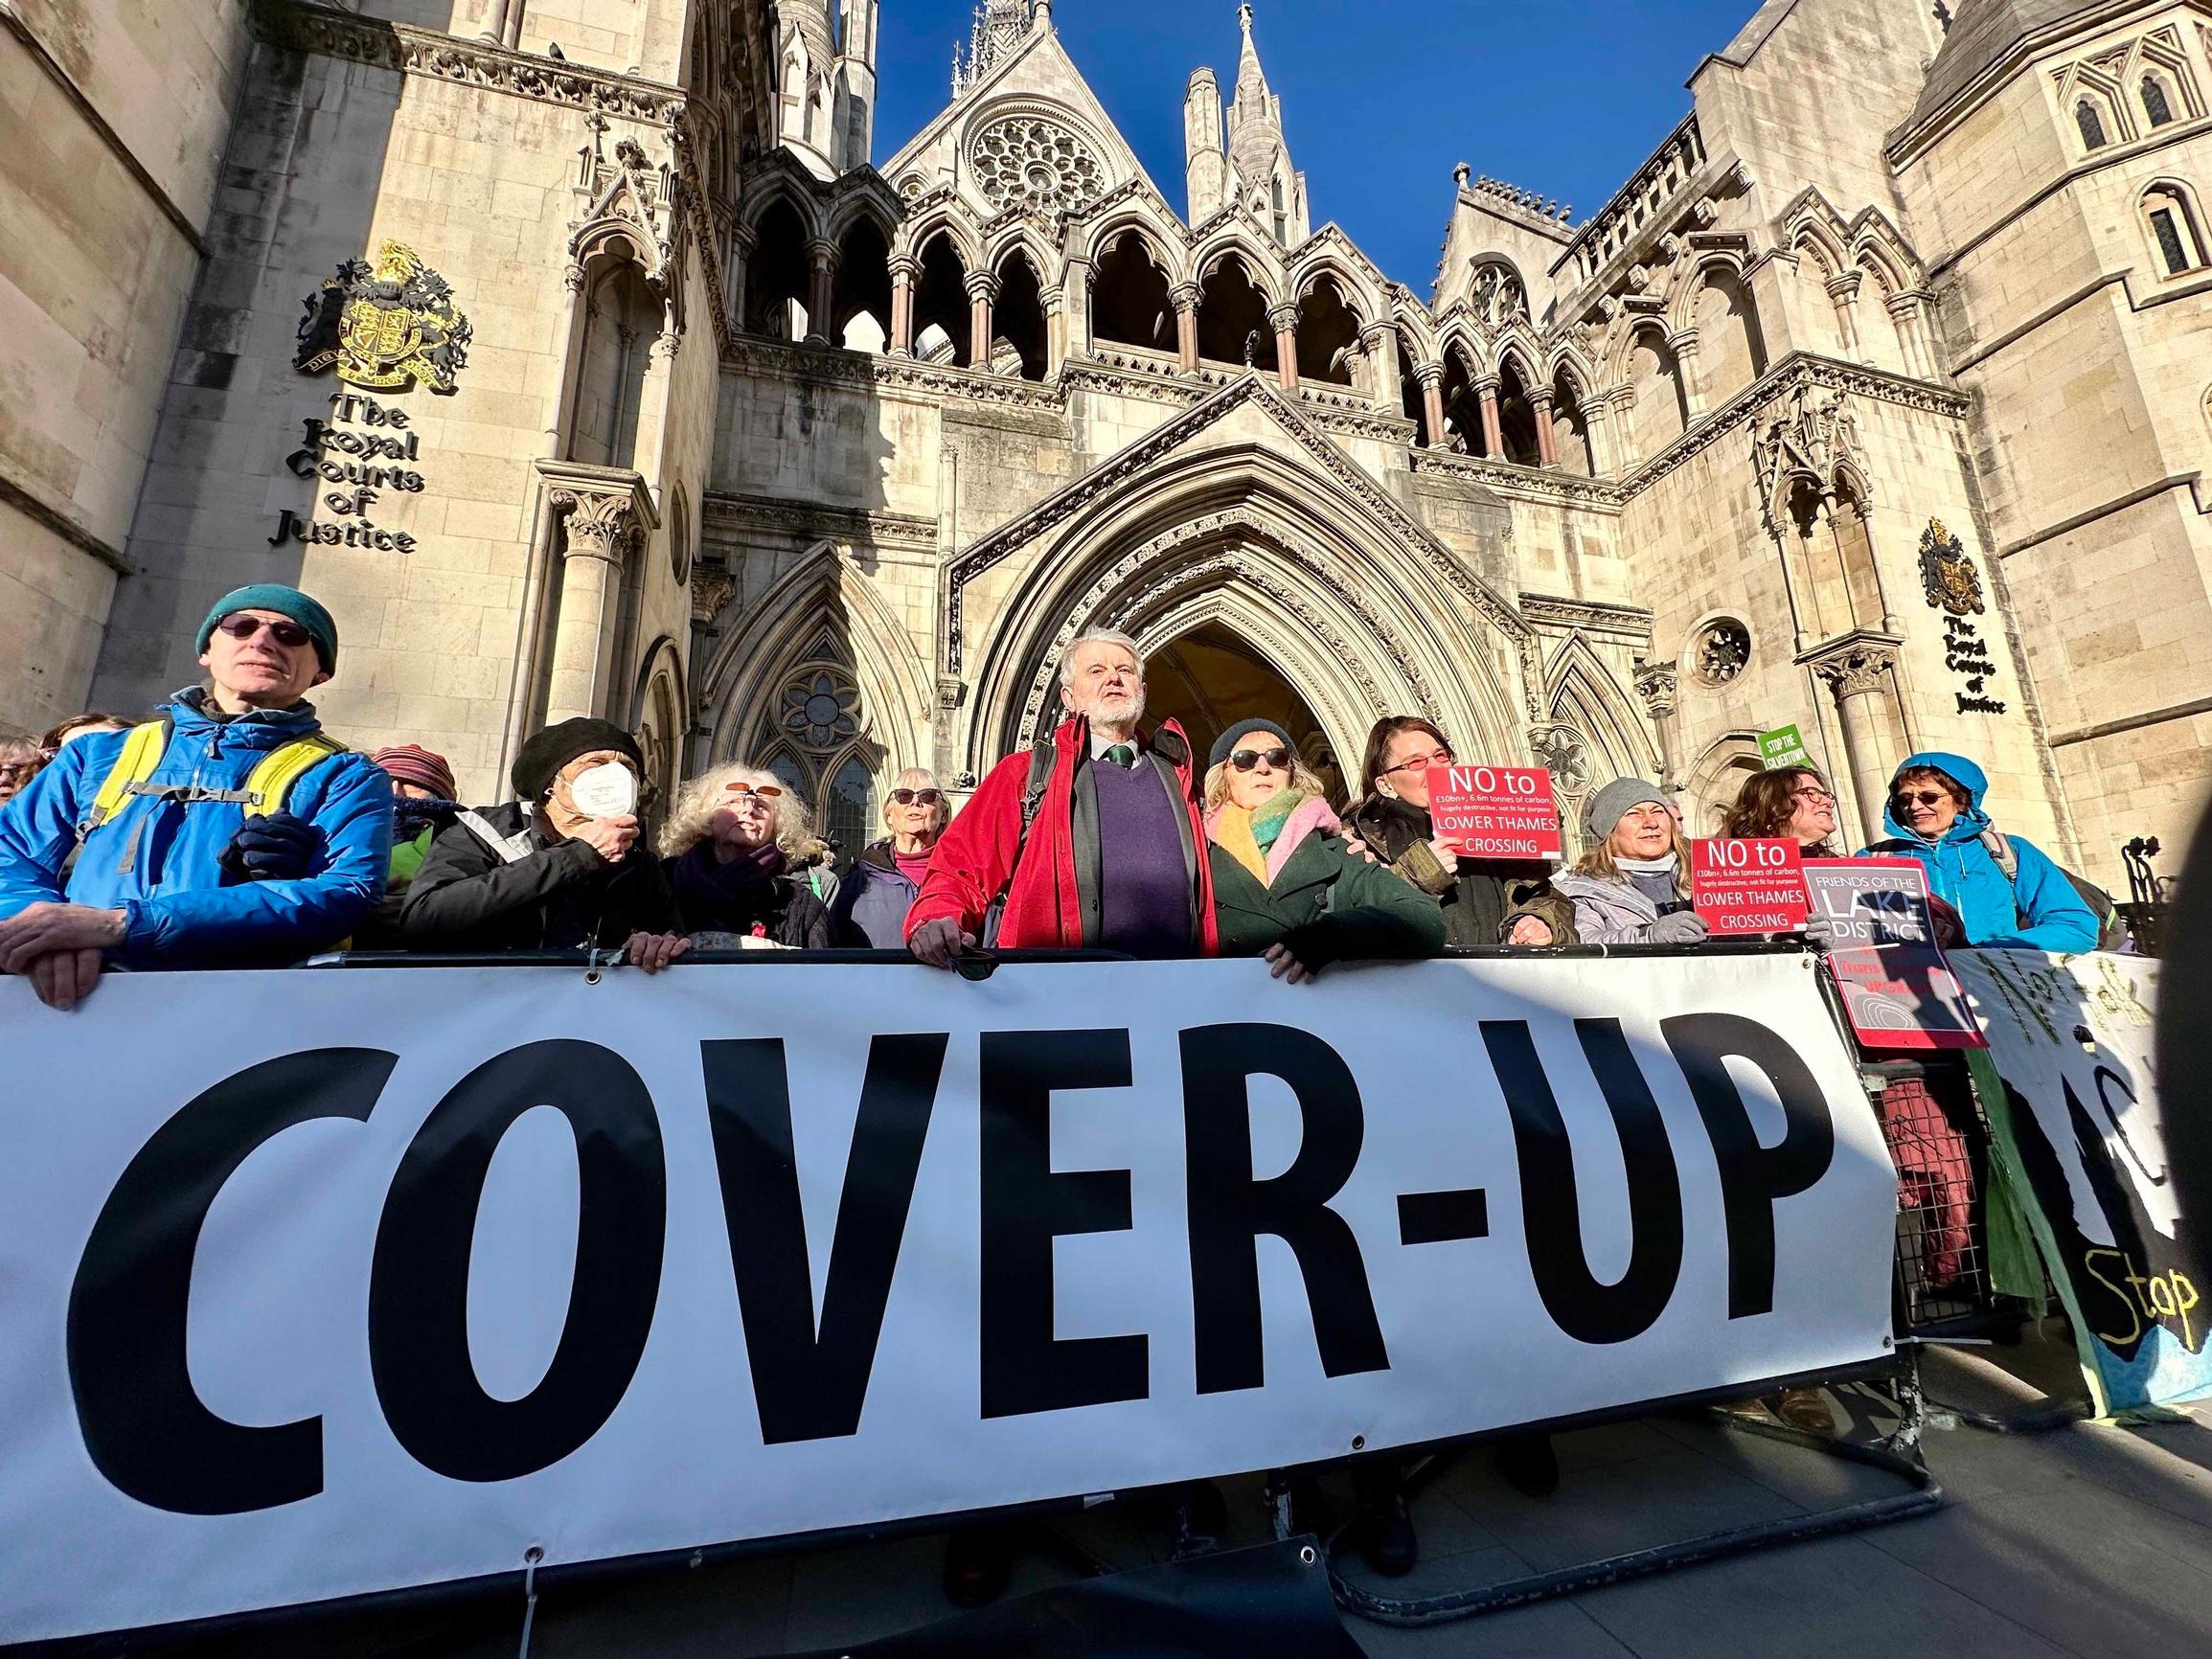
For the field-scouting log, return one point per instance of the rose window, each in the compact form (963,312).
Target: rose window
(1565,753)
(1724,648)
(1025,163)
(820,708)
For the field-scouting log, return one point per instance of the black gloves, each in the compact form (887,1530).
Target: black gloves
(281,847)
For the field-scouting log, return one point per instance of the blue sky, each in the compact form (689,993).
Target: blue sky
(1379,99)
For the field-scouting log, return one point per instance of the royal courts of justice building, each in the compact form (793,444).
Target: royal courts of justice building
(577,355)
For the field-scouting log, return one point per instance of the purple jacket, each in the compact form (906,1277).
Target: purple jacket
(869,911)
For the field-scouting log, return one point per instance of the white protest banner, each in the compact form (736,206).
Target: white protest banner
(2075,1111)
(1496,811)
(319,1284)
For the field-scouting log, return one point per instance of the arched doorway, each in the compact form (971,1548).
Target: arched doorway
(1210,678)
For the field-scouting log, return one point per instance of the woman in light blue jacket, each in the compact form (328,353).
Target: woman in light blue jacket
(1935,815)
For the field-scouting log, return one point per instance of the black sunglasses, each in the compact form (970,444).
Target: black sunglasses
(243,628)
(917,797)
(1244,760)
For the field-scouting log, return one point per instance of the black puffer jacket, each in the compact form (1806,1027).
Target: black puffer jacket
(564,895)
(1478,896)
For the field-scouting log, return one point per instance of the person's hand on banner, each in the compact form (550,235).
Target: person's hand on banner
(1819,932)
(655,951)
(56,947)
(1446,851)
(1678,927)
(940,942)
(1283,964)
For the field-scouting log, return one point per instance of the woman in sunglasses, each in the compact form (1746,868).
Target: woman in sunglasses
(869,912)
(1935,816)
(1485,901)
(733,843)
(1286,887)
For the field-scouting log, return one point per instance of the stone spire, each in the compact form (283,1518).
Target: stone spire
(1269,185)
(998,28)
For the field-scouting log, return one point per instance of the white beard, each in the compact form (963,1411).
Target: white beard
(1118,711)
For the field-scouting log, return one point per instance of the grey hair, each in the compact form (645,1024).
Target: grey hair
(1098,637)
(696,802)
(919,778)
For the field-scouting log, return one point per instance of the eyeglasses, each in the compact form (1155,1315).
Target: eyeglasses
(917,797)
(1421,762)
(1244,760)
(18,768)
(1812,792)
(243,628)
(741,793)
(1920,797)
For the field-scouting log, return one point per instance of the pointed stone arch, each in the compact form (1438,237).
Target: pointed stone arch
(1582,692)
(1286,550)
(821,594)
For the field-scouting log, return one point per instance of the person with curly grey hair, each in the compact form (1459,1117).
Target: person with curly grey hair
(733,838)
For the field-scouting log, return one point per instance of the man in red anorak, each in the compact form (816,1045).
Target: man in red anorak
(1115,857)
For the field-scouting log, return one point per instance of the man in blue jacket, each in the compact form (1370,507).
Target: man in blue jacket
(170,837)
(1935,815)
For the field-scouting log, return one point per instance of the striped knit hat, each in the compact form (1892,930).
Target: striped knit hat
(412,763)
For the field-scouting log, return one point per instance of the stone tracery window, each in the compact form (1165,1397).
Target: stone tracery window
(1026,162)
(815,735)
(1722,650)
(2158,107)
(1498,296)
(2170,216)
(2091,125)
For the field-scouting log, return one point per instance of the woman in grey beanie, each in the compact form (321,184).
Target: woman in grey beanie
(1632,885)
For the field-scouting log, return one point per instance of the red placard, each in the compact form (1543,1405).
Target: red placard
(1742,885)
(1898,990)
(1496,811)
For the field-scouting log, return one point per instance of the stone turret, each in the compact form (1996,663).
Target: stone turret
(1205,165)
(1260,159)
(825,86)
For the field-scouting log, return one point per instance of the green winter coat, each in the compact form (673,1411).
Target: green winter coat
(1325,904)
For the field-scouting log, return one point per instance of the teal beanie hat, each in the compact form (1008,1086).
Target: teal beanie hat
(287,601)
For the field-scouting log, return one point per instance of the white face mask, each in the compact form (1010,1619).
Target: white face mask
(605,791)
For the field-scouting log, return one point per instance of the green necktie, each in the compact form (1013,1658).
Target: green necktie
(1124,756)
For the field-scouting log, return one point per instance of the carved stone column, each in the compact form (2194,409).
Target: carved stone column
(1844,291)
(822,258)
(1379,341)
(1074,284)
(1604,451)
(1685,346)
(1493,433)
(1284,320)
(1431,378)
(1857,670)
(1547,452)
(599,516)
(1185,299)
(1055,329)
(742,242)
(1908,312)
(904,269)
(1655,686)
(982,291)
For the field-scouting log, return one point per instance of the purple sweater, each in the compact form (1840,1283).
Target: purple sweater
(1144,884)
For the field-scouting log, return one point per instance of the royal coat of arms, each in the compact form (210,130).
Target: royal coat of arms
(384,326)
(1948,573)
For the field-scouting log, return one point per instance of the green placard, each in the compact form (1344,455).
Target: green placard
(1783,746)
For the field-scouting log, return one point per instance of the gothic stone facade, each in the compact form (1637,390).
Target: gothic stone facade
(576,354)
